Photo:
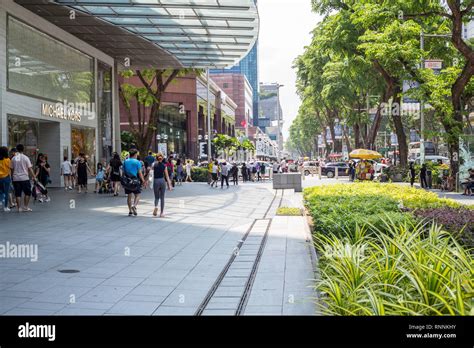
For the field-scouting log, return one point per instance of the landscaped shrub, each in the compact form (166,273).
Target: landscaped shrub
(458,221)
(402,270)
(344,206)
(199,174)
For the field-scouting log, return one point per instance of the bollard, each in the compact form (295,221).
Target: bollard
(319,172)
(337,173)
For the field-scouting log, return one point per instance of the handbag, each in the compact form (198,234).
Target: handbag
(130,182)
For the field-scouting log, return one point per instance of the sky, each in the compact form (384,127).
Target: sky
(285,29)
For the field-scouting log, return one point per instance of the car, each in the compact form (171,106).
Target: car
(329,169)
(310,167)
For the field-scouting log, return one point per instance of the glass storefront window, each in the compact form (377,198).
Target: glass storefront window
(24,131)
(41,66)
(83,140)
(172,130)
(104,90)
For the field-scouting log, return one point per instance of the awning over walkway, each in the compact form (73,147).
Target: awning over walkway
(159,33)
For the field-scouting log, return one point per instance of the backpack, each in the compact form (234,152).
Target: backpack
(254,170)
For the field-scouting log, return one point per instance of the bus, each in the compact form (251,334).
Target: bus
(414,150)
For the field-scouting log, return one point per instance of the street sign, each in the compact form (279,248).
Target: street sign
(393,139)
(163,148)
(434,64)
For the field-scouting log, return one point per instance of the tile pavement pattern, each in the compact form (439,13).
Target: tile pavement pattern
(148,266)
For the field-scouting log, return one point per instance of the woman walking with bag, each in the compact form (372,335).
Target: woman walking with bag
(160,180)
(42,173)
(114,172)
(82,170)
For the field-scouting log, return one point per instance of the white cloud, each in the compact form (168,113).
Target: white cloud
(285,28)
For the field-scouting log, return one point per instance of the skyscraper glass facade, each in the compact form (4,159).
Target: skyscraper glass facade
(248,66)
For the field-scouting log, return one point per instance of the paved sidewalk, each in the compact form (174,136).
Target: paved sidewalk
(134,265)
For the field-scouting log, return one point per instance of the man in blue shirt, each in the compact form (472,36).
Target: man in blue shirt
(133,168)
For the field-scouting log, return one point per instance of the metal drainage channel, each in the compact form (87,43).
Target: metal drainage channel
(250,279)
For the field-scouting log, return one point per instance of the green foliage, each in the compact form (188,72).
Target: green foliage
(199,174)
(127,140)
(339,208)
(401,270)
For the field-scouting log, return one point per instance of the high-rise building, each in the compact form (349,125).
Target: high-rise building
(468,30)
(237,87)
(271,114)
(248,66)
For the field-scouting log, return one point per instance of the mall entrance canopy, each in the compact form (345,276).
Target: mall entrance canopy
(159,33)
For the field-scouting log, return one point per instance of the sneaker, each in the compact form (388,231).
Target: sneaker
(134,210)
(130,213)
(41,200)
(26,209)
(6,209)
(48,199)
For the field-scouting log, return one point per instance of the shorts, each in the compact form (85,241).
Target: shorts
(214,176)
(137,191)
(22,187)
(67,174)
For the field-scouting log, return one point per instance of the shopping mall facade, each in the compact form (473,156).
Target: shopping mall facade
(60,62)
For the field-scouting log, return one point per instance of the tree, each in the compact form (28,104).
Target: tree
(146,98)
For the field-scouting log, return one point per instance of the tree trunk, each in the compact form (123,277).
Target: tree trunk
(356,129)
(376,125)
(399,130)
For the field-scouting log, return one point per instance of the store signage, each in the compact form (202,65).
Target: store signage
(61,111)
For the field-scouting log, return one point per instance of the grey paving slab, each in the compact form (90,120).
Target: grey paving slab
(180,255)
(133,308)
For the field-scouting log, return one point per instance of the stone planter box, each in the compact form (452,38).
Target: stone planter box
(287,181)
(397,178)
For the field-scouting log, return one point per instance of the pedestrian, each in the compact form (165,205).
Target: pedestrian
(235,174)
(209,171)
(170,167)
(161,179)
(42,173)
(83,170)
(133,176)
(412,173)
(215,173)
(275,167)
(66,172)
(21,170)
(257,170)
(179,172)
(189,168)
(423,172)
(99,178)
(113,171)
(244,172)
(5,178)
(262,171)
(150,159)
(224,174)
(73,174)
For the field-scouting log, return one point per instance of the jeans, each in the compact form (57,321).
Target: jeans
(4,190)
(226,179)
